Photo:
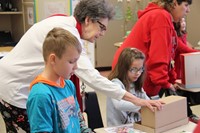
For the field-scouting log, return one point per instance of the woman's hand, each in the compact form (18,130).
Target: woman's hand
(151,104)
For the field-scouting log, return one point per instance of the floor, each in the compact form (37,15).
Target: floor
(196,109)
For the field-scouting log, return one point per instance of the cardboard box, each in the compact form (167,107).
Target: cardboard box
(191,70)
(174,111)
(143,128)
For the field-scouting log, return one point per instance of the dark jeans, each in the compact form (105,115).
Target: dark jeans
(14,118)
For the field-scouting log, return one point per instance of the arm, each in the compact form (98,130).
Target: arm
(142,102)
(84,128)
(39,113)
(125,105)
(158,59)
(122,104)
(160,44)
(128,106)
(183,48)
(92,77)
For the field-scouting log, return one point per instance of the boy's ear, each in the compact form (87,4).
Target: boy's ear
(52,58)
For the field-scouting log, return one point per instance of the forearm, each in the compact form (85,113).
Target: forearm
(131,98)
(83,127)
(124,105)
(159,75)
(142,102)
(99,83)
(93,79)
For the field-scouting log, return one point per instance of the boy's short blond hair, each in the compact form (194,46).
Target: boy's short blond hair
(57,40)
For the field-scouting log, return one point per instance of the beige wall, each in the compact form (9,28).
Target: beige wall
(105,49)
(193,23)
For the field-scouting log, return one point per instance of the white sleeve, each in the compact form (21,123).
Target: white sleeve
(125,106)
(89,75)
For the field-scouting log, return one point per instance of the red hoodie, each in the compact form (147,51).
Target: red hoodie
(154,35)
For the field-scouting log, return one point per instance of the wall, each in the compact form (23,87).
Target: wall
(105,49)
(193,21)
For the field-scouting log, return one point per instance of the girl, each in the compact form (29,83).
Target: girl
(129,75)
(184,47)
(180,28)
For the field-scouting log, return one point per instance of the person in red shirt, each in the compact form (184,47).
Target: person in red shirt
(185,47)
(155,36)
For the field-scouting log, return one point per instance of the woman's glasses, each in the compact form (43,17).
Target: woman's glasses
(102,26)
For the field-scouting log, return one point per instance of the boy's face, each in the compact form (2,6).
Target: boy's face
(66,66)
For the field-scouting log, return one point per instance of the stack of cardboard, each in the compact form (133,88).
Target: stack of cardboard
(173,114)
(191,70)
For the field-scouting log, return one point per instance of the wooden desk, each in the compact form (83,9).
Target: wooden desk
(6,49)
(187,128)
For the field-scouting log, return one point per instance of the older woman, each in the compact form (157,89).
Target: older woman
(25,61)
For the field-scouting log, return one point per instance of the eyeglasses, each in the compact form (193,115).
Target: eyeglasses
(135,70)
(102,26)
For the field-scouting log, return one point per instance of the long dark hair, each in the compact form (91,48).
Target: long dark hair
(177,27)
(127,56)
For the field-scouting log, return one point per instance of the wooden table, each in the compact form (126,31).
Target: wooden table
(187,128)
(6,49)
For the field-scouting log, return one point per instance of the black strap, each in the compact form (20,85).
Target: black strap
(93,110)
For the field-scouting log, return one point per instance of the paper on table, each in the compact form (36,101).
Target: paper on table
(119,129)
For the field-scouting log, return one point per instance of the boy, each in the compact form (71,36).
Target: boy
(52,105)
